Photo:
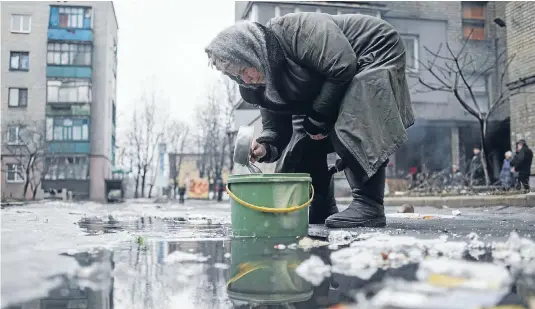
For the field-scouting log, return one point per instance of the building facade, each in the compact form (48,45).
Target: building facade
(59,72)
(520,29)
(444,133)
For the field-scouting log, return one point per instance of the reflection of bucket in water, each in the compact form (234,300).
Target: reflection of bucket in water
(270,205)
(261,274)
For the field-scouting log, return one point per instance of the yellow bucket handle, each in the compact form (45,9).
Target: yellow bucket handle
(271,210)
(250,269)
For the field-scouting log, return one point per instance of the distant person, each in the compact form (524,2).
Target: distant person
(324,83)
(506,176)
(477,175)
(521,164)
(456,178)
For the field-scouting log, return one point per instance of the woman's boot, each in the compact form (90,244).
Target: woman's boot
(366,209)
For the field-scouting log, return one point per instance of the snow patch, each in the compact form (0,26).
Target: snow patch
(313,270)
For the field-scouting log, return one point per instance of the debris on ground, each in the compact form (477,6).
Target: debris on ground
(340,238)
(309,243)
(406,208)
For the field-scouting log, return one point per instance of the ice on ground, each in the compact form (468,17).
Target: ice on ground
(179,256)
(421,295)
(516,251)
(314,270)
(468,275)
(341,238)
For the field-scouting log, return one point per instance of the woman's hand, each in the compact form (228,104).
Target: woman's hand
(257,151)
(318,137)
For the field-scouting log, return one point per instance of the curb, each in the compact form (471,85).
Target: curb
(521,200)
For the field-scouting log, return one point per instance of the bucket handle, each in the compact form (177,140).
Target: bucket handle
(268,209)
(247,269)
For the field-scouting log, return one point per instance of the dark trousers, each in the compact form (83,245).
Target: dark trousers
(522,182)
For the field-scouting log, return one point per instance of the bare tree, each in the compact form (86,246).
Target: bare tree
(457,72)
(26,145)
(177,137)
(146,132)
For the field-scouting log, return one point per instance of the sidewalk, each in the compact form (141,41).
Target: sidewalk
(520,200)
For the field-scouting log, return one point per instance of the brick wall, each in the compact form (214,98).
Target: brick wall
(520,43)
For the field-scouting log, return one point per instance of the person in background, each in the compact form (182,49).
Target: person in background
(506,176)
(324,83)
(477,175)
(521,164)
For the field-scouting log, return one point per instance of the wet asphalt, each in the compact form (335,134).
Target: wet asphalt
(142,254)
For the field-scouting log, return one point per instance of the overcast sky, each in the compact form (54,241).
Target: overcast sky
(161,47)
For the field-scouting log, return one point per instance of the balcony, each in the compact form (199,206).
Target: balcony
(69,71)
(68,23)
(69,147)
(65,110)
(73,35)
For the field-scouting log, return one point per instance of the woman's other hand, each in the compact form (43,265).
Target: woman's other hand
(318,137)
(257,151)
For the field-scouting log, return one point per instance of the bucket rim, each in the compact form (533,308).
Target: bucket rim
(271,177)
(269,298)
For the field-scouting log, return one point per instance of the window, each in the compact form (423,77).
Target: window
(281,10)
(68,91)
(73,17)
(19,61)
(14,173)
(21,23)
(67,129)
(411,50)
(18,97)
(13,135)
(69,54)
(474,20)
(69,167)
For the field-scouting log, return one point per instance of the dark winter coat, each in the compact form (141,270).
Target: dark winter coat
(506,176)
(343,75)
(522,160)
(477,175)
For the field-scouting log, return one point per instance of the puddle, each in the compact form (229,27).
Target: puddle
(247,273)
(96,261)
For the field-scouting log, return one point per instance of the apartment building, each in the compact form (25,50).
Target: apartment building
(444,132)
(59,73)
(518,40)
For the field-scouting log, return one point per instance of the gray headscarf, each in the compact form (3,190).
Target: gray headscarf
(242,45)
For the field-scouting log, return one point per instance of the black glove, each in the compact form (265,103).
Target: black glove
(314,125)
(338,166)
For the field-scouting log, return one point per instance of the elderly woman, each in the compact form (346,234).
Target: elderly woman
(506,176)
(324,84)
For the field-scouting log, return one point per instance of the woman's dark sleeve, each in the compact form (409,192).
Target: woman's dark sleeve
(276,127)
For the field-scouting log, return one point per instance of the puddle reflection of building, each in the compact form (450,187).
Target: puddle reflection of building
(69,295)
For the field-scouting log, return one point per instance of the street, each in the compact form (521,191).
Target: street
(149,255)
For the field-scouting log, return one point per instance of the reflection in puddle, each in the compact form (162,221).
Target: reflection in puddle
(268,273)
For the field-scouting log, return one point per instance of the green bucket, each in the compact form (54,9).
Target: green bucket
(270,205)
(262,274)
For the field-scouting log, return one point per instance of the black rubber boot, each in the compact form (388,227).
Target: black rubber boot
(366,209)
(324,204)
